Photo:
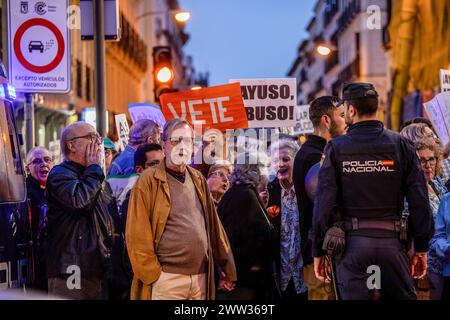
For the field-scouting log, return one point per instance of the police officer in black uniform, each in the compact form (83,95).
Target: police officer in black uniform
(363,182)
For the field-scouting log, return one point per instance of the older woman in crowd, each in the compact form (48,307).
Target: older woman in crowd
(219,180)
(39,162)
(419,131)
(430,157)
(284,214)
(250,233)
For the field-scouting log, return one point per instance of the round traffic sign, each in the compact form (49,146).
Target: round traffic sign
(59,39)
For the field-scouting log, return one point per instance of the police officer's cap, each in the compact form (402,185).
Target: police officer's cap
(358,90)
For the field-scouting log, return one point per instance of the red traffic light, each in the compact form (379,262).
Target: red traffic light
(163,73)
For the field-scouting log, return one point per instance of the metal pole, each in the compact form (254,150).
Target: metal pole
(99,40)
(29,121)
(4,23)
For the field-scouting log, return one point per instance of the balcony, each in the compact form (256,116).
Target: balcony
(331,61)
(350,12)
(351,72)
(132,45)
(318,86)
(332,8)
(303,76)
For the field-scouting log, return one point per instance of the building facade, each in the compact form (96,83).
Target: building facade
(416,70)
(353,30)
(144,24)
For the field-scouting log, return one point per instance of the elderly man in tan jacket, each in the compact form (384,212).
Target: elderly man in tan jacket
(174,236)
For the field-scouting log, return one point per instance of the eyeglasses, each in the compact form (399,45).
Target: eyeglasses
(431,161)
(38,161)
(220,175)
(177,140)
(94,137)
(152,163)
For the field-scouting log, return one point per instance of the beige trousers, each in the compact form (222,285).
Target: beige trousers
(172,286)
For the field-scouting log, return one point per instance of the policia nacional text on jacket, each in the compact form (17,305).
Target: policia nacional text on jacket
(366,175)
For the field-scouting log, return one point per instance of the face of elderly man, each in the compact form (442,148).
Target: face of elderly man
(179,145)
(83,142)
(39,164)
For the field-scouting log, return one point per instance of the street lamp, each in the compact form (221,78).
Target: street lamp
(182,16)
(179,15)
(324,50)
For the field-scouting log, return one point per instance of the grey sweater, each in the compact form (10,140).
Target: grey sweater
(183,248)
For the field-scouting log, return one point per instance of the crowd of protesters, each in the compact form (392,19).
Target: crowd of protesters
(228,231)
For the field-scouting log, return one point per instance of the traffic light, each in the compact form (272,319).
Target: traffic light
(163,74)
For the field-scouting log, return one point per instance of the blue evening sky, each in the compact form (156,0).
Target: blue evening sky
(235,39)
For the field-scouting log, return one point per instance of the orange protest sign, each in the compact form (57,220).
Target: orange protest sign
(220,107)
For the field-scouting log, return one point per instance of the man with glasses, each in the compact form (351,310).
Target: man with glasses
(80,223)
(173,234)
(39,162)
(142,132)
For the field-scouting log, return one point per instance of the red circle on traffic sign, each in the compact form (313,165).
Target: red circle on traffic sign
(59,39)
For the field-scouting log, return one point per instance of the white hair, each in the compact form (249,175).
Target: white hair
(30,153)
(284,144)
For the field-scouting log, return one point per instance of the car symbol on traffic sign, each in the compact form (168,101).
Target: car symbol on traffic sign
(36,45)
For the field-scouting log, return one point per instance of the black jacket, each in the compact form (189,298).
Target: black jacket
(310,154)
(251,237)
(39,231)
(37,202)
(366,175)
(275,200)
(80,225)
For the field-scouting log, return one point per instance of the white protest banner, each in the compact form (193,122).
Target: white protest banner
(269,103)
(54,147)
(304,124)
(120,186)
(445,80)
(438,111)
(149,111)
(123,130)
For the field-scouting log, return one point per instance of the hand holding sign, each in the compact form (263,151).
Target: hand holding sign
(219,107)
